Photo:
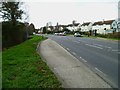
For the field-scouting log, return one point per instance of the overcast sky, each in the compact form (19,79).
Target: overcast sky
(65,11)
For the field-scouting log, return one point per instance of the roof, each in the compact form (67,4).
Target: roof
(103,22)
(87,23)
(70,25)
(51,27)
(62,25)
(108,22)
(98,23)
(76,24)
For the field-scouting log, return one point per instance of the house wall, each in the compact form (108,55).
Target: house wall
(89,27)
(70,28)
(100,29)
(116,25)
(75,28)
(84,28)
(60,28)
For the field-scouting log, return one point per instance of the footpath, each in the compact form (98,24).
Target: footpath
(70,71)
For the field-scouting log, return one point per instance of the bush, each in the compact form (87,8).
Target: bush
(84,33)
(12,35)
(110,35)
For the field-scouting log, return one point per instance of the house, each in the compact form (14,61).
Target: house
(85,27)
(116,25)
(103,27)
(56,28)
(61,27)
(40,31)
(50,28)
(74,27)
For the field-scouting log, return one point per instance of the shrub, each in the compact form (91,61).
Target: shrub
(110,35)
(12,35)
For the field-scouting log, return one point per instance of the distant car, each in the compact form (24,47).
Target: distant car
(62,34)
(34,33)
(77,35)
(56,34)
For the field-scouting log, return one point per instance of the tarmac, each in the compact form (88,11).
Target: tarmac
(69,70)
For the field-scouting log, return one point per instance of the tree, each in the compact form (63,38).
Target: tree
(44,30)
(12,31)
(11,10)
(31,29)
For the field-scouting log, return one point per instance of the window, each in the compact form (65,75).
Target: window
(113,24)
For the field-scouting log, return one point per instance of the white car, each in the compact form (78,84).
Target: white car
(77,35)
(56,34)
(62,34)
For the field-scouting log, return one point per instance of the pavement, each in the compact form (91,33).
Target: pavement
(69,70)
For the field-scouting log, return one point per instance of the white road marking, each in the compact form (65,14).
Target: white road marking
(68,49)
(83,41)
(100,71)
(93,46)
(99,45)
(109,47)
(115,50)
(82,59)
(76,41)
(74,53)
(102,46)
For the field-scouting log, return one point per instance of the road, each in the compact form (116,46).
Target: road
(99,55)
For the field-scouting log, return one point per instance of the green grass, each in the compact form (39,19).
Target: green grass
(22,67)
(109,38)
(105,38)
(95,37)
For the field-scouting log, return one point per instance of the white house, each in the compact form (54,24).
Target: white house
(103,27)
(116,25)
(85,27)
(74,27)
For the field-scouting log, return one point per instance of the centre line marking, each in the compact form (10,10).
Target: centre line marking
(115,50)
(93,46)
(76,41)
(103,46)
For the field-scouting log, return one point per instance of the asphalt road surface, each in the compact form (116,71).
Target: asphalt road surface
(99,55)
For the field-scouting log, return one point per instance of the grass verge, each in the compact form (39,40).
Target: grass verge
(22,67)
(95,37)
(105,38)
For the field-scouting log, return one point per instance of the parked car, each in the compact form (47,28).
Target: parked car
(63,34)
(77,35)
(56,34)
